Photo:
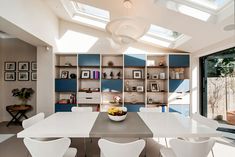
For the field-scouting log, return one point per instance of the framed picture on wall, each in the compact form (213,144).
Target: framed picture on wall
(23,76)
(23,66)
(137,74)
(33,76)
(85,74)
(64,74)
(9,76)
(33,66)
(10,66)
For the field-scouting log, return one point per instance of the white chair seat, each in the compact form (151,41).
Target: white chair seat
(71,152)
(167,152)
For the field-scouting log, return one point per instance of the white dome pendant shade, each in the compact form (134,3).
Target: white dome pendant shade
(127,30)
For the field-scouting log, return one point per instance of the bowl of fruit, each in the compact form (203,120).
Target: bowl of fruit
(117,113)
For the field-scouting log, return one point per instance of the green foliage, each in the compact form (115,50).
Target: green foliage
(24,93)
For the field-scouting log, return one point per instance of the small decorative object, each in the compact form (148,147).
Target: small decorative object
(63,101)
(34,76)
(68,63)
(139,88)
(10,66)
(161,63)
(162,75)
(23,76)
(23,66)
(73,76)
(117,99)
(133,89)
(119,75)
(150,100)
(177,75)
(9,76)
(137,74)
(23,94)
(64,74)
(110,63)
(150,63)
(127,86)
(85,74)
(117,113)
(104,75)
(33,66)
(154,87)
(111,75)
(148,75)
(155,76)
(172,74)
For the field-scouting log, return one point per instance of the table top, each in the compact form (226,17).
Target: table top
(19,107)
(132,127)
(95,124)
(175,125)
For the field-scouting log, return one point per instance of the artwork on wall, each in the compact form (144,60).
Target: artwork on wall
(85,74)
(64,74)
(154,87)
(33,66)
(139,88)
(10,66)
(9,76)
(34,76)
(23,66)
(137,74)
(23,76)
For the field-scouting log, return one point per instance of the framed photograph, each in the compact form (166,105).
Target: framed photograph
(139,88)
(85,74)
(154,87)
(23,76)
(137,74)
(33,66)
(23,66)
(9,76)
(64,74)
(33,76)
(10,66)
(155,76)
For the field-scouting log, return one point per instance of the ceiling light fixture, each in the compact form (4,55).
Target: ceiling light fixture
(126,30)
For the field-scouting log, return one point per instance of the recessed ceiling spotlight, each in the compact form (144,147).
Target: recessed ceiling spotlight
(229,27)
(127,4)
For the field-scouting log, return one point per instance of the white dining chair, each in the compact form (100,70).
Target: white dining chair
(54,148)
(81,109)
(33,120)
(113,149)
(182,148)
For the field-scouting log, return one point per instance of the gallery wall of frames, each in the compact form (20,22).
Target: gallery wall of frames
(130,80)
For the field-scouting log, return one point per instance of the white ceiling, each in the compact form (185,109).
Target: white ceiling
(203,34)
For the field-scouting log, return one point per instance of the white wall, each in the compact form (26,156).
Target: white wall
(1,83)
(15,50)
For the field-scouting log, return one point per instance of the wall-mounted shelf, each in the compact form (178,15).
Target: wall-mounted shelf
(65,66)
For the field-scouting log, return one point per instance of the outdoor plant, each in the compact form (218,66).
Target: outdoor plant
(24,94)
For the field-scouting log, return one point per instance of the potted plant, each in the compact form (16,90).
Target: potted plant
(24,94)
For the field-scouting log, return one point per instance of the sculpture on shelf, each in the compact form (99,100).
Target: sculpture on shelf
(119,75)
(110,63)
(104,75)
(111,75)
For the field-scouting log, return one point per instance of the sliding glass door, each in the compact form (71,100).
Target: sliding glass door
(218,86)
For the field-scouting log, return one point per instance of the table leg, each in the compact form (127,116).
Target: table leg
(14,118)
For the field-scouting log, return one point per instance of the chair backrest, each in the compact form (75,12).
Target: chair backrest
(55,148)
(33,120)
(151,109)
(203,120)
(113,149)
(81,109)
(184,148)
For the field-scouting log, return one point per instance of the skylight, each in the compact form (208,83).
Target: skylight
(87,14)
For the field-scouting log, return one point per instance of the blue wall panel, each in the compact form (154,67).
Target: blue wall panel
(63,107)
(65,85)
(111,85)
(179,61)
(89,60)
(134,60)
(179,85)
(133,107)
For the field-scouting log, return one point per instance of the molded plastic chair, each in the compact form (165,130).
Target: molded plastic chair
(81,109)
(33,120)
(181,148)
(151,109)
(113,149)
(55,148)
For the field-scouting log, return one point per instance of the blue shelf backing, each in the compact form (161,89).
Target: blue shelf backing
(65,85)
(181,108)
(179,85)
(63,107)
(179,61)
(89,60)
(111,85)
(134,60)
(133,107)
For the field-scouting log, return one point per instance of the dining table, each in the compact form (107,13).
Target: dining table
(136,125)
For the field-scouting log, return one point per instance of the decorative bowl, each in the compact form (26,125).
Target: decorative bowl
(117,113)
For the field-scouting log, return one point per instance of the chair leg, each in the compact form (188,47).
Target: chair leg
(212,152)
(84,140)
(166,143)
(146,147)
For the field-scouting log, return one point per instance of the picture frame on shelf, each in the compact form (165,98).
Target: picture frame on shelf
(23,76)
(155,76)
(162,76)
(85,74)
(33,76)
(137,74)
(139,88)
(33,66)
(9,76)
(23,66)
(64,74)
(10,66)
(154,86)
